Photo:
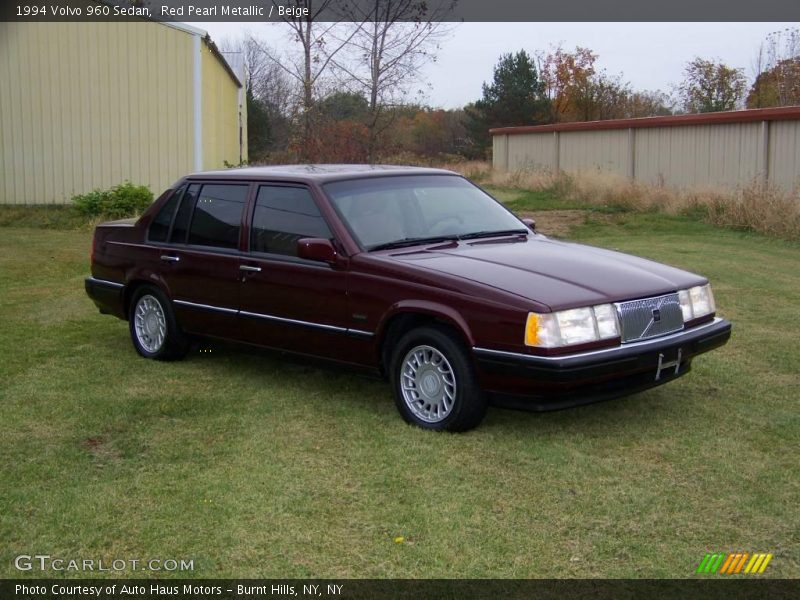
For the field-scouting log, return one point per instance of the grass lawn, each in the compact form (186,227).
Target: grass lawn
(255,466)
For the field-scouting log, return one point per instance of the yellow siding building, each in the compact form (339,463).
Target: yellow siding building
(89,105)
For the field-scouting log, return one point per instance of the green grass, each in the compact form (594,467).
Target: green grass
(525,200)
(255,466)
(63,217)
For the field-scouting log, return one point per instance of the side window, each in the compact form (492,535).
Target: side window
(217,216)
(159,228)
(184,214)
(282,216)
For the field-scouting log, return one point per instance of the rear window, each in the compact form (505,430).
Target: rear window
(159,229)
(181,226)
(217,216)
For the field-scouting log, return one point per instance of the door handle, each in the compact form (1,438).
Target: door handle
(168,258)
(250,269)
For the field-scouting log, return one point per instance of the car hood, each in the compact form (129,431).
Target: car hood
(558,274)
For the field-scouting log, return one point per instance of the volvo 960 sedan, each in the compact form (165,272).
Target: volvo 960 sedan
(415,273)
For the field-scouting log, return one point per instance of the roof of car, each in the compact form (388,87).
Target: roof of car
(318,173)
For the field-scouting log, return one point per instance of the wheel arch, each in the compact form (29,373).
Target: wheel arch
(407,315)
(135,282)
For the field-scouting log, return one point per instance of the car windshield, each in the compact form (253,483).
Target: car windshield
(384,212)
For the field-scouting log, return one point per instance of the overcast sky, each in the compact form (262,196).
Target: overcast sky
(649,55)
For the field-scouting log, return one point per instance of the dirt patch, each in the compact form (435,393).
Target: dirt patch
(100,449)
(560,223)
(557,223)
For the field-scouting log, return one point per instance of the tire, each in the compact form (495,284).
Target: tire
(434,382)
(154,331)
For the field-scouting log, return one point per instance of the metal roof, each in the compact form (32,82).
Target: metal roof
(732,116)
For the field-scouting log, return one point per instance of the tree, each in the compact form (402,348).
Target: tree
(308,67)
(339,106)
(437,132)
(599,97)
(777,81)
(343,141)
(387,44)
(710,86)
(779,86)
(269,93)
(649,104)
(516,96)
(259,128)
(567,77)
(578,91)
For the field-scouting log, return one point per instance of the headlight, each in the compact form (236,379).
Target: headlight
(570,327)
(697,302)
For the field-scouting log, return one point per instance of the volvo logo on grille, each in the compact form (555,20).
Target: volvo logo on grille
(650,317)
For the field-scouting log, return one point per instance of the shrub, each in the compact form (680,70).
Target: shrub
(127,200)
(89,205)
(230,165)
(118,202)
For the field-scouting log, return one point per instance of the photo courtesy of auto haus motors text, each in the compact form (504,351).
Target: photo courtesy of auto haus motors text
(150,590)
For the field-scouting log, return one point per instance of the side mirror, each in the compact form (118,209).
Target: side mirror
(318,249)
(530,223)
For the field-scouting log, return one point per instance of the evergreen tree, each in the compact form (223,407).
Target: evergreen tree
(516,96)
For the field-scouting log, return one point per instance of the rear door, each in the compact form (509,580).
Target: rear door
(199,263)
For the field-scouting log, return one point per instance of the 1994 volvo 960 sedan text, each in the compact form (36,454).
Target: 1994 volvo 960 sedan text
(414,272)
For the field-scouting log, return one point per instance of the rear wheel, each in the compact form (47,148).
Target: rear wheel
(434,382)
(154,330)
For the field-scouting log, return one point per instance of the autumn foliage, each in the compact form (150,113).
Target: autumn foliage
(344,124)
(342,141)
(778,63)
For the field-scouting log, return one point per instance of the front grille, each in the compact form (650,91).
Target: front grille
(649,317)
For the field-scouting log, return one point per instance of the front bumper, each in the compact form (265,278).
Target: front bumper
(554,382)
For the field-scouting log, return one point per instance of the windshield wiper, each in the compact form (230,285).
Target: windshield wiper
(414,241)
(486,234)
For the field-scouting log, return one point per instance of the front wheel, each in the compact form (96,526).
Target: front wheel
(154,330)
(434,382)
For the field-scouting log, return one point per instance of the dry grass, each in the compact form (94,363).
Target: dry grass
(760,208)
(754,207)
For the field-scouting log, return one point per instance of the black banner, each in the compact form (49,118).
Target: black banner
(619,589)
(436,10)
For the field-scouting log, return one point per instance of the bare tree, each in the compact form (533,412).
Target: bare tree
(308,66)
(267,80)
(388,42)
(270,93)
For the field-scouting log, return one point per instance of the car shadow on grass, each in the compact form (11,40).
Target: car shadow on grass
(366,390)
(642,410)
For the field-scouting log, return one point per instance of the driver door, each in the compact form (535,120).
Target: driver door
(287,302)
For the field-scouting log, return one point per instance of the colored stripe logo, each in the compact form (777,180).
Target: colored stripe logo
(734,564)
